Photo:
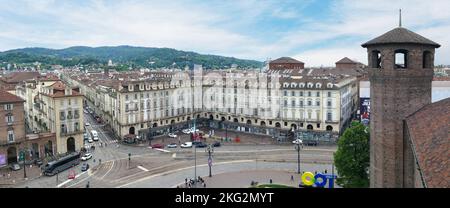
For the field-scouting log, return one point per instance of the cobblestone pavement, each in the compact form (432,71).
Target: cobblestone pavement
(243,170)
(10,178)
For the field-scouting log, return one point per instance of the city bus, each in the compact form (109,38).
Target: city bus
(62,164)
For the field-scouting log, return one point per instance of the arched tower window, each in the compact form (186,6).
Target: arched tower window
(376,59)
(401,59)
(427,60)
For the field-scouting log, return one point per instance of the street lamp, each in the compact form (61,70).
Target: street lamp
(210,149)
(298,147)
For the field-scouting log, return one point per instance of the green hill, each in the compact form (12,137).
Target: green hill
(122,55)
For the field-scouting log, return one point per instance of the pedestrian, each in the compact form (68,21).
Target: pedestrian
(204,185)
(185,180)
(292,178)
(270,181)
(315,172)
(325,171)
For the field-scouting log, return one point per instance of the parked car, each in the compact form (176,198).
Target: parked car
(86,156)
(90,140)
(216,144)
(84,167)
(87,124)
(172,145)
(38,162)
(186,131)
(201,145)
(15,166)
(85,136)
(172,135)
(186,145)
(159,146)
(95,138)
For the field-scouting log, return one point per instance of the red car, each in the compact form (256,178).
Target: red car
(159,146)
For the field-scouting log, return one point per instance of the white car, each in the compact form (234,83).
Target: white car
(173,145)
(90,140)
(95,138)
(172,135)
(186,131)
(186,145)
(297,141)
(86,156)
(87,124)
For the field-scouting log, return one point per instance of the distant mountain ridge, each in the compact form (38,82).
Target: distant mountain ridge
(124,55)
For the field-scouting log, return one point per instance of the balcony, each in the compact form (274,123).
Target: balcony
(331,122)
(70,133)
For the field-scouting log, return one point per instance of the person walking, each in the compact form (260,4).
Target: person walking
(292,177)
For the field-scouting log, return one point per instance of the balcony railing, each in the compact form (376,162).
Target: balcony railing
(331,122)
(69,133)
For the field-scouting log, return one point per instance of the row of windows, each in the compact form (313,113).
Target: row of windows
(401,59)
(309,93)
(69,102)
(147,95)
(8,107)
(64,130)
(75,115)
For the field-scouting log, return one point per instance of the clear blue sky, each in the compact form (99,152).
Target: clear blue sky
(317,32)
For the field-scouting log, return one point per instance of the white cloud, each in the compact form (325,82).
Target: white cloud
(221,27)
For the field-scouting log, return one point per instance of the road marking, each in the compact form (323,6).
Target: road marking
(89,175)
(142,168)
(180,169)
(65,182)
(108,170)
(159,149)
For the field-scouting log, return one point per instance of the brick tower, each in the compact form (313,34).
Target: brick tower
(401,71)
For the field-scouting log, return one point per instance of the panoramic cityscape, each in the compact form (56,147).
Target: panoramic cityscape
(290,98)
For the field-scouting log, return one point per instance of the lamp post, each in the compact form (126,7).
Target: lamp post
(22,157)
(195,156)
(210,149)
(298,147)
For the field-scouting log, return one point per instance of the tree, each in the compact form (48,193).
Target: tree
(352,157)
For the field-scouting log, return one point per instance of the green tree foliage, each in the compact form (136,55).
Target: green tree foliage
(123,55)
(352,157)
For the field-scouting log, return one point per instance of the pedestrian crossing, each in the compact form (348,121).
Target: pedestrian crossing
(100,144)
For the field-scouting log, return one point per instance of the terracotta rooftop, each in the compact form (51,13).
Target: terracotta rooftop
(400,35)
(346,60)
(16,77)
(58,85)
(286,60)
(429,130)
(6,97)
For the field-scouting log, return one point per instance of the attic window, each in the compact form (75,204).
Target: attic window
(329,85)
(401,59)
(318,85)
